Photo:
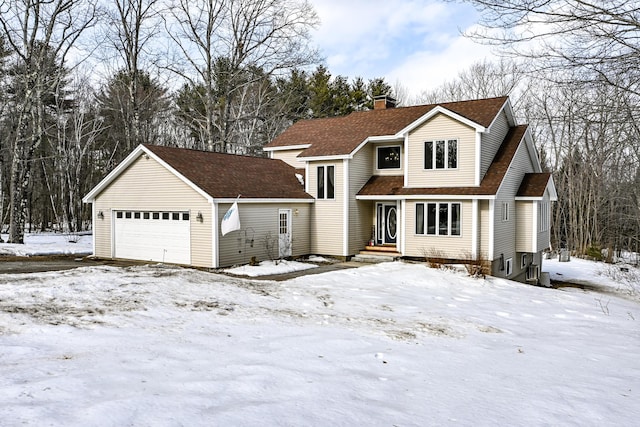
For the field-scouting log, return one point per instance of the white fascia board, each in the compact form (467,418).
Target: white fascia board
(492,237)
(474,228)
(427,197)
(528,139)
(406,159)
(527,199)
(375,139)
(139,150)
(287,147)
(325,158)
(242,200)
(551,186)
(478,162)
(534,228)
(441,110)
(508,110)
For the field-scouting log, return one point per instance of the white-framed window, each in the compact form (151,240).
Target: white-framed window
(438,219)
(441,154)
(523,260)
(544,216)
(388,157)
(326,182)
(508,266)
(505,211)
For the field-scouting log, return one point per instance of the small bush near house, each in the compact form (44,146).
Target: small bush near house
(594,252)
(434,257)
(477,266)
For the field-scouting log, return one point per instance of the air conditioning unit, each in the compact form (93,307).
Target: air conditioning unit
(533,273)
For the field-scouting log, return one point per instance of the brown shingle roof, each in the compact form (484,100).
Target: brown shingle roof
(228,175)
(394,185)
(341,135)
(534,185)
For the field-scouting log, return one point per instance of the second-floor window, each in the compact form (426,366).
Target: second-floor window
(326,182)
(389,157)
(441,154)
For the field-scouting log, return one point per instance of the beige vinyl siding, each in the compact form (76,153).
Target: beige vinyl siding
(327,218)
(361,212)
(544,237)
(491,142)
(442,127)
(504,232)
(147,186)
(483,226)
(447,246)
(259,222)
(524,224)
(289,157)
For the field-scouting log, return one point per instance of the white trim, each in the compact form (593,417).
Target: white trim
(215,241)
(508,112)
(406,160)
(94,218)
(527,199)
(307,169)
(403,226)
(248,200)
(441,110)
(478,158)
(426,196)
(345,208)
(325,158)
(534,231)
(474,228)
(135,154)
(287,147)
(492,219)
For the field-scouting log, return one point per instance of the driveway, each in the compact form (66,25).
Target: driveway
(37,264)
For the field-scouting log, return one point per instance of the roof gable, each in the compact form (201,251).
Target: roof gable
(394,185)
(218,175)
(342,135)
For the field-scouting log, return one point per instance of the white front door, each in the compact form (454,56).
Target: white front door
(284,233)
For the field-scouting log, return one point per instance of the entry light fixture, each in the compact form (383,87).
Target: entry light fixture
(296,212)
(199,217)
(100,215)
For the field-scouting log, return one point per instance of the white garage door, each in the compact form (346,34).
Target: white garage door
(152,236)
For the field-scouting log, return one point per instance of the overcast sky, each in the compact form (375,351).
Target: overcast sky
(414,42)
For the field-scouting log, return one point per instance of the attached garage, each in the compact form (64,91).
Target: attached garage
(152,236)
(164,204)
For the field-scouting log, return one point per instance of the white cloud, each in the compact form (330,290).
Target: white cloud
(415,43)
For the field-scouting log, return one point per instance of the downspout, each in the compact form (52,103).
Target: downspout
(345,208)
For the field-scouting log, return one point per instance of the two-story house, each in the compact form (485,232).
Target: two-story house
(457,180)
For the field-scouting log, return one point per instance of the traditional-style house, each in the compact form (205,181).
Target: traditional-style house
(458,180)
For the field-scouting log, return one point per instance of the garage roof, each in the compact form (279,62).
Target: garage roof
(219,175)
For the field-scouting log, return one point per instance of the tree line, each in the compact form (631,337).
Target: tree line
(83,82)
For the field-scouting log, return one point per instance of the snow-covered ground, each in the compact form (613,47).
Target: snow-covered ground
(49,244)
(384,345)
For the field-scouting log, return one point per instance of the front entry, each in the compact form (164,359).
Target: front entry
(387,223)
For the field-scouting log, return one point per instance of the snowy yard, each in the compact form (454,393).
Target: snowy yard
(385,345)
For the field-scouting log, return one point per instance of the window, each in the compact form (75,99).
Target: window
(127,215)
(185,216)
(523,261)
(156,215)
(441,154)
(509,267)
(165,215)
(175,216)
(136,215)
(119,214)
(543,217)
(326,182)
(145,215)
(505,211)
(441,219)
(389,157)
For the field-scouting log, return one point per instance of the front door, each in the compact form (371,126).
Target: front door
(387,221)
(284,233)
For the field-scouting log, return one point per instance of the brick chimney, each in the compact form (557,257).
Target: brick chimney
(382,102)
